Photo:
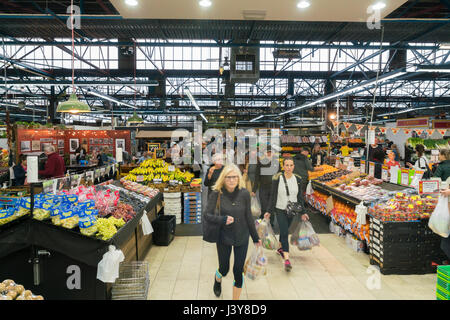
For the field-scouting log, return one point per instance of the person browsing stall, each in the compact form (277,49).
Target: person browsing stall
(443,169)
(20,170)
(422,161)
(54,167)
(236,225)
(279,201)
(390,161)
(214,172)
(302,166)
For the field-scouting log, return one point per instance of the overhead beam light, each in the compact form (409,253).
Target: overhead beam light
(106,97)
(443,68)
(205,3)
(347,91)
(195,104)
(257,118)
(132,3)
(303,4)
(444,46)
(412,109)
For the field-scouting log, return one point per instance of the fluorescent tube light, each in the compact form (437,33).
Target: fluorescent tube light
(106,97)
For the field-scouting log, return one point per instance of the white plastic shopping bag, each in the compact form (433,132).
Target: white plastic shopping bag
(255,266)
(440,218)
(309,189)
(255,207)
(266,234)
(146,225)
(108,267)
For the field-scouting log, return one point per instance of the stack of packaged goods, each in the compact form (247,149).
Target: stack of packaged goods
(192,207)
(443,283)
(172,205)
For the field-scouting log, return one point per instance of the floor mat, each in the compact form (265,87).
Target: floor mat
(188,230)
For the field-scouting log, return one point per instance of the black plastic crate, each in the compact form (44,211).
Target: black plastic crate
(164,230)
(404,267)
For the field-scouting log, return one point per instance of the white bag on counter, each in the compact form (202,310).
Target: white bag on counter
(108,267)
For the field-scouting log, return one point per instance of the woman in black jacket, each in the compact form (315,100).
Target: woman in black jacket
(214,172)
(236,221)
(279,201)
(20,171)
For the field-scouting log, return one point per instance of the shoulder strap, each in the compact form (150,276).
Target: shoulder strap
(285,184)
(218,204)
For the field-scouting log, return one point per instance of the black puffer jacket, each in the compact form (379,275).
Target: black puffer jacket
(236,205)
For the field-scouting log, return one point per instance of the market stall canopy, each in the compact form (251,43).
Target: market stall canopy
(158,134)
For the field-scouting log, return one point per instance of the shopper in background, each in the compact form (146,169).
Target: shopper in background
(443,169)
(376,155)
(317,155)
(54,167)
(214,172)
(80,154)
(102,157)
(345,150)
(263,181)
(244,172)
(236,223)
(302,166)
(278,204)
(20,171)
(396,152)
(422,161)
(390,161)
(145,156)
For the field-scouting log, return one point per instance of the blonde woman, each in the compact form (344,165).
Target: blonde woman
(234,216)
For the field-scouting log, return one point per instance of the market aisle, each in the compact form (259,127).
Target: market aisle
(185,270)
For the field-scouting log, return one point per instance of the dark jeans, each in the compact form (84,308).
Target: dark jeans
(264,199)
(224,253)
(284,222)
(445,246)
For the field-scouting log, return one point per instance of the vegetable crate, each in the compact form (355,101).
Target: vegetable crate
(443,283)
(404,247)
(192,207)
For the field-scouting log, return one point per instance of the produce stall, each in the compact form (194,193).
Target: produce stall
(386,220)
(53,243)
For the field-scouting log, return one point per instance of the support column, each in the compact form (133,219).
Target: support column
(53,104)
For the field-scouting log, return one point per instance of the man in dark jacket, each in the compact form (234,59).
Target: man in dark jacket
(54,167)
(302,166)
(263,183)
(443,169)
(20,171)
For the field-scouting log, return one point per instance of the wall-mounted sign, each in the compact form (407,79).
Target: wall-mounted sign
(413,123)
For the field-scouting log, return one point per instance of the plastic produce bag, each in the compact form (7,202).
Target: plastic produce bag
(309,189)
(255,207)
(307,237)
(266,234)
(440,218)
(255,266)
(108,267)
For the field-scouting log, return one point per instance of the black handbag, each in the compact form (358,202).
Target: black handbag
(211,231)
(292,208)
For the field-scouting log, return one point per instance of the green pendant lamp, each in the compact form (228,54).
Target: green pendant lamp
(135,119)
(73,105)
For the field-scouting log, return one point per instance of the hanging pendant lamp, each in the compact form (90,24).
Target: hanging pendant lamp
(73,105)
(135,119)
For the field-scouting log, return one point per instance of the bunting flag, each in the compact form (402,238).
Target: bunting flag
(419,131)
(334,123)
(430,132)
(359,127)
(407,131)
(347,125)
(442,132)
(395,130)
(382,129)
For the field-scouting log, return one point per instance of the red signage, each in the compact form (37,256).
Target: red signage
(441,124)
(413,123)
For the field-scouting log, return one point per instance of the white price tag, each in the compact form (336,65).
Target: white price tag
(405,177)
(362,167)
(371,137)
(171,168)
(394,175)
(140,179)
(384,173)
(372,169)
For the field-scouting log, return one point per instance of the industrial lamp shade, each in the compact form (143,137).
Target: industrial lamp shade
(73,105)
(135,119)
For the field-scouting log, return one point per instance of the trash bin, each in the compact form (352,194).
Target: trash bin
(164,230)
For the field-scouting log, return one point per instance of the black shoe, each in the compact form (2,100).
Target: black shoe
(217,287)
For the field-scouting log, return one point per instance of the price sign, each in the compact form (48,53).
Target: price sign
(372,169)
(371,137)
(394,175)
(140,179)
(405,177)
(90,176)
(385,173)
(157,181)
(418,174)
(48,186)
(428,186)
(174,182)
(97,173)
(362,167)
(171,168)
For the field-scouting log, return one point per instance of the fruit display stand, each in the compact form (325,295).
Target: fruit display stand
(61,263)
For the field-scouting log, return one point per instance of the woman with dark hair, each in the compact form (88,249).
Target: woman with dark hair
(282,184)
(20,171)
(443,169)
(317,156)
(422,161)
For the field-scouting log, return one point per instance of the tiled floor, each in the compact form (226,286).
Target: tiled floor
(185,271)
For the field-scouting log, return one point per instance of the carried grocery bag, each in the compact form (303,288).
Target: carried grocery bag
(440,218)
(255,207)
(309,189)
(255,266)
(307,237)
(266,234)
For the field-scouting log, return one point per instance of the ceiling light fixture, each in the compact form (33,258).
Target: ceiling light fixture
(106,97)
(205,3)
(378,6)
(191,97)
(444,46)
(303,4)
(443,68)
(132,3)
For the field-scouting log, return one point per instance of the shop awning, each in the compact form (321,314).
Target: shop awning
(148,134)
